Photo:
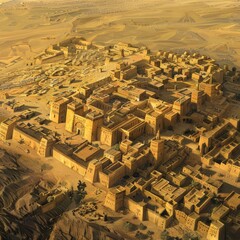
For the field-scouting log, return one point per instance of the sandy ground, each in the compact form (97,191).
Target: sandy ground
(210,27)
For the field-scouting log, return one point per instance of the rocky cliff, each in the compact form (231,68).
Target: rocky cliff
(70,227)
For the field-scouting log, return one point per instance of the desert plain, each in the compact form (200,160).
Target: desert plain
(209,27)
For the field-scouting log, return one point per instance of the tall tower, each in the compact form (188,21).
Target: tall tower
(157,149)
(72,109)
(94,122)
(216,231)
(58,110)
(197,99)
(46,146)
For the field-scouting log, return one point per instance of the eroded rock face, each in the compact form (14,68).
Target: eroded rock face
(18,217)
(71,227)
(20,220)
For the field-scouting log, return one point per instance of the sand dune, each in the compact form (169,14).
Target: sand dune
(160,24)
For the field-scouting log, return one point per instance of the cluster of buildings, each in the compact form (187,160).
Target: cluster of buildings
(120,119)
(220,148)
(59,52)
(12,106)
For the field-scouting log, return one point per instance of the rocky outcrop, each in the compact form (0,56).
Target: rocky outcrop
(69,227)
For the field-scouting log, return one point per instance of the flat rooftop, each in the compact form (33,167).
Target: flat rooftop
(86,152)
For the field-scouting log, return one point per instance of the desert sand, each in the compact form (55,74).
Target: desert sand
(209,27)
